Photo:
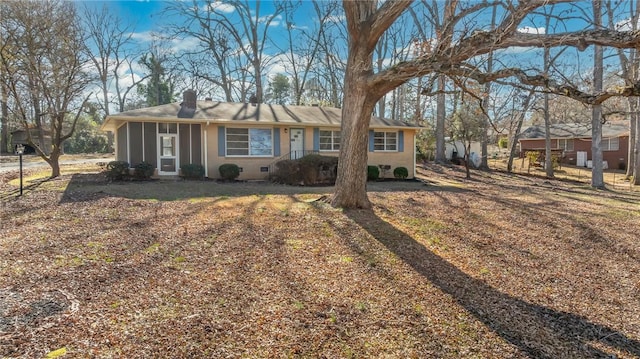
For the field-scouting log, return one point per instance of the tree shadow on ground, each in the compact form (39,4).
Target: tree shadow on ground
(31,187)
(538,331)
(93,186)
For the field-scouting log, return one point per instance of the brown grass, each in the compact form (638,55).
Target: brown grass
(500,266)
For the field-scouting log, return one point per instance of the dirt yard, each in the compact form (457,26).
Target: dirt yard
(499,266)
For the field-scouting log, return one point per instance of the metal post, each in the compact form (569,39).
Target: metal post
(20,151)
(21,174)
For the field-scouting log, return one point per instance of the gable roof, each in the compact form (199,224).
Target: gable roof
(575,130)
(244,113)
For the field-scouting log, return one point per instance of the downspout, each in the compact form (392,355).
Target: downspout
(415,166)
(206,151)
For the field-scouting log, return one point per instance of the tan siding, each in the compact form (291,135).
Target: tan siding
(251,165)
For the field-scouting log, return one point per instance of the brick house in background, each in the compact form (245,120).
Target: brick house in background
(574,141)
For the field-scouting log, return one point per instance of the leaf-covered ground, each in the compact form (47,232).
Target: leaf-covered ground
(498,266)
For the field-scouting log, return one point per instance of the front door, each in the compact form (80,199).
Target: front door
(168,160)
(297,143)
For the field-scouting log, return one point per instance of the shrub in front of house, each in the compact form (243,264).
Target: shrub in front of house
(373,173)
(193,171)
(317,169)
(287,172)
(229,171)
(143,171)
(117,170)
(400,173)
(309,170)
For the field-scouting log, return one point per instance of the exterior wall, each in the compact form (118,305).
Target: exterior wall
(138,141)
(256,168)
(252,168)
(614,159)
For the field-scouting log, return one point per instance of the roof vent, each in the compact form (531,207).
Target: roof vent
(208,99)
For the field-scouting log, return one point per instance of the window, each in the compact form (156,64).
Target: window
(329,140)
(385,141)
(610,144)
(249,142)
(167,128)
(565,144)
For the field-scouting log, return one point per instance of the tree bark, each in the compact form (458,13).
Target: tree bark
(365,24)
(440,120)
(636,156)
(4,113)
(597,176)
(633,125)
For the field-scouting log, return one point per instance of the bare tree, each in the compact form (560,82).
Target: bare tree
(597,175)
(45,71)
(305,46)
(107,38)
(630,68)
(366,22)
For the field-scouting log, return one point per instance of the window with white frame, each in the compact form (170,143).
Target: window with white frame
(566,144)
(329,140)
(249,142)
(610,144)
(385,141)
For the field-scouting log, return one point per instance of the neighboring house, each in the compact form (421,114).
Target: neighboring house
(574,142)
(252,136)
(20,137)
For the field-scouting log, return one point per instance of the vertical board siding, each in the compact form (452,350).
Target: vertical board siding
(150,143)
(122,143)
(196,144)
(184,151)
(135,143)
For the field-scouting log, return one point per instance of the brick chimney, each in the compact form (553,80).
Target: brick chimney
(189,99)
(188,105)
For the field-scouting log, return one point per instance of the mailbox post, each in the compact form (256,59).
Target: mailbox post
(20,152)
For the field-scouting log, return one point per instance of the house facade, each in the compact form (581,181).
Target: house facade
(252,136)
(573,140)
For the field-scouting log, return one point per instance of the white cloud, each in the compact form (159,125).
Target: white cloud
(532,30)
(189,43)
(220,7)
(275,20)
(145,36)
(626,25)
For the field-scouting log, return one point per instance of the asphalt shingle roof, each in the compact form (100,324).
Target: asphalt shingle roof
(576,130)
(221,112)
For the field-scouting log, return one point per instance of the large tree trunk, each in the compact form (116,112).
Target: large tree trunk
(350,189)
(548,163)
(636,156)
(440,120)
(597,177)
(4,113)
(633,120)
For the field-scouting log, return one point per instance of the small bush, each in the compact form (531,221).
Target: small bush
(229,171)
(192,171)
(503,142)
(373,173)
(287,172)
(401,172)
(143,171)
(117,170)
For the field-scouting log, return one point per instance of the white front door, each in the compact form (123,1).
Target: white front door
(297,142)
(168,159)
